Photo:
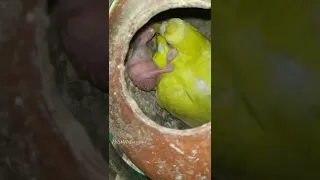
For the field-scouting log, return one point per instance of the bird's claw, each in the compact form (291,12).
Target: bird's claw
(147,35)
(171,55)
(163,27)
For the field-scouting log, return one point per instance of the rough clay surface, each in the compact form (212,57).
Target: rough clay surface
(15,142)
(87,104)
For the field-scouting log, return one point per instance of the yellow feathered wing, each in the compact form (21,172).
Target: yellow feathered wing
(185,92)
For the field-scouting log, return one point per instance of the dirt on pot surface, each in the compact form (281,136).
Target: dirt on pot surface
(87,103)
(16,141)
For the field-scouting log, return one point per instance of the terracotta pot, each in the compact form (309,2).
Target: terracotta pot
(161,153)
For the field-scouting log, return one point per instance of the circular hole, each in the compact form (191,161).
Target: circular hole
(201,20)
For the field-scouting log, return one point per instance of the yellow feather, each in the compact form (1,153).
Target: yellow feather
(185,92)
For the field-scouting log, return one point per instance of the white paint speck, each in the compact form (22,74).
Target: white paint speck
(200,177)
(179,177)
(191,158)
(118,66)
(161,165)
(176,148)
(196,160)
(194,152)
(190,172)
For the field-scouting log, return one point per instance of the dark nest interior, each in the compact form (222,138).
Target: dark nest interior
(201,20)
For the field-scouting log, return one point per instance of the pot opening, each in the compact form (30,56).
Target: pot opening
(201,20)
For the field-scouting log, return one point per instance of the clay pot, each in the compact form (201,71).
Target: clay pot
(161,153)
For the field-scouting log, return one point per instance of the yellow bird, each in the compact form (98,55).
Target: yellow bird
(186,91)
